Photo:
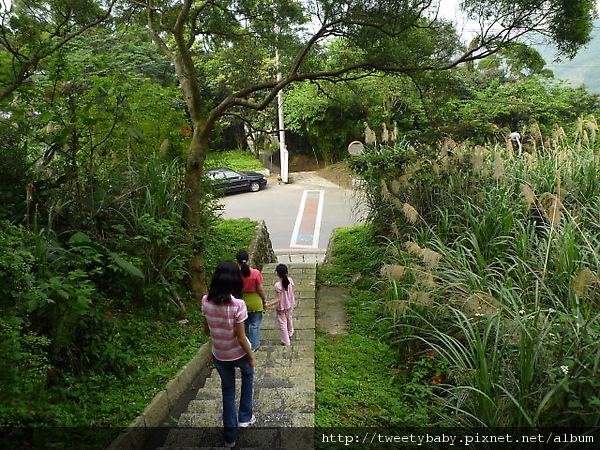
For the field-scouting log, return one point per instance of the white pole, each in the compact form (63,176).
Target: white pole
(283,152)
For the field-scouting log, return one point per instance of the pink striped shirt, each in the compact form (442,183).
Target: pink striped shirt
(287,297)
(221,320)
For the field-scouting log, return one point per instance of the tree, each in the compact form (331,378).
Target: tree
(396,36)
(31,30)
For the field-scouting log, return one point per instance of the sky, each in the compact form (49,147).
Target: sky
(582,69)
(449,9)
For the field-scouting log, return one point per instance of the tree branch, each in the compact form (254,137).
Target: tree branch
(28,67)
(153,34)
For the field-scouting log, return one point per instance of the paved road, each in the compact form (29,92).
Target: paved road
(301,215)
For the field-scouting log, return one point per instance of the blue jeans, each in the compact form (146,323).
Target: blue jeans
(252,328)
(226,370)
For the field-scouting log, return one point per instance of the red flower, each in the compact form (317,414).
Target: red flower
(185,129)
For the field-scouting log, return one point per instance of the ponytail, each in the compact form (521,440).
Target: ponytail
(242,259)
(282,271)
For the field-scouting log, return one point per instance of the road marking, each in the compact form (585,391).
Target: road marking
(308,222)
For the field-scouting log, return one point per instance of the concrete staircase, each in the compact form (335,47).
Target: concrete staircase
(284,382)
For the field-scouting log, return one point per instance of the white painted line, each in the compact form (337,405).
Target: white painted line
(317,234)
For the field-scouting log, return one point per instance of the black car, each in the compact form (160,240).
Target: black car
(229,180)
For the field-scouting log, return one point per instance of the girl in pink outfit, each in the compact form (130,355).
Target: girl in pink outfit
(284,299)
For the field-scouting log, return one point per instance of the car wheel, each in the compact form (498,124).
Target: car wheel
(254,186)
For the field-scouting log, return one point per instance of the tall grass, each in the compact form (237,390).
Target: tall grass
(515,293)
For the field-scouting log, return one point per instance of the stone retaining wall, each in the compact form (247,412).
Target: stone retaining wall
(260,249)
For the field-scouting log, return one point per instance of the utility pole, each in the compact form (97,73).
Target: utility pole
(283,152)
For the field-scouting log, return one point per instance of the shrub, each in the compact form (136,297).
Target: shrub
(23,372)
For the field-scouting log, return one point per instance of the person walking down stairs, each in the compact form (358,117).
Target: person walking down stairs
(224,320)
(254,296)
(284,383)
(284,303)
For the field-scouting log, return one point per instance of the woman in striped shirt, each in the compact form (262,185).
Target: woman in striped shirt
(224,316)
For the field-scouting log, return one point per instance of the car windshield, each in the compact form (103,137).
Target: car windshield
(230,174)
(223,174)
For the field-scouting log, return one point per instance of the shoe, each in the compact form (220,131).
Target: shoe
(291,334)
(230,444)
(247,424)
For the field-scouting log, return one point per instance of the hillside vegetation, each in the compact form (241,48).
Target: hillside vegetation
(484,286)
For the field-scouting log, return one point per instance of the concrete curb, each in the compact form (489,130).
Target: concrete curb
(157,411)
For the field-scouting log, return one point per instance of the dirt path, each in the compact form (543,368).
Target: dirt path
(331,314)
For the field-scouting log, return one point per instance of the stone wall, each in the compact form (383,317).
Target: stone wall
(260,249)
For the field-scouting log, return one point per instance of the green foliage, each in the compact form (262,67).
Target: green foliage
(329,116)
(480,274)
(16,278)
(234,159)
(356,384)
(15,169)
(481,103)
(327,123)
(103,364)
(225,238)
(23,370)
(356,251)
(354,389)
(155,346)
(517,370)
(33,30)
(495,104)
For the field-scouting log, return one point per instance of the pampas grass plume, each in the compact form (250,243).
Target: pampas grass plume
(370,137)
(584,281)
(498,166)
(412,247)
(431,258)
(528,195)
(410,213)
(551,208)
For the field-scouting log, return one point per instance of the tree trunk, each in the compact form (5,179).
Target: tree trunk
(197,284)
(192,208)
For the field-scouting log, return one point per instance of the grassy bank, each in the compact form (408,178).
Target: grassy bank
(479,274)
(358,380)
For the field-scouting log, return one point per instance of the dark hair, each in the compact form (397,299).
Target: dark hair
(282,271)
(225,282)
(242,259)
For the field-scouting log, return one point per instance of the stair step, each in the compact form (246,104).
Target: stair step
(272,335)
(284,383)
(255,438)
(266,420)
(269,375)
(266,401)
(300,322)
